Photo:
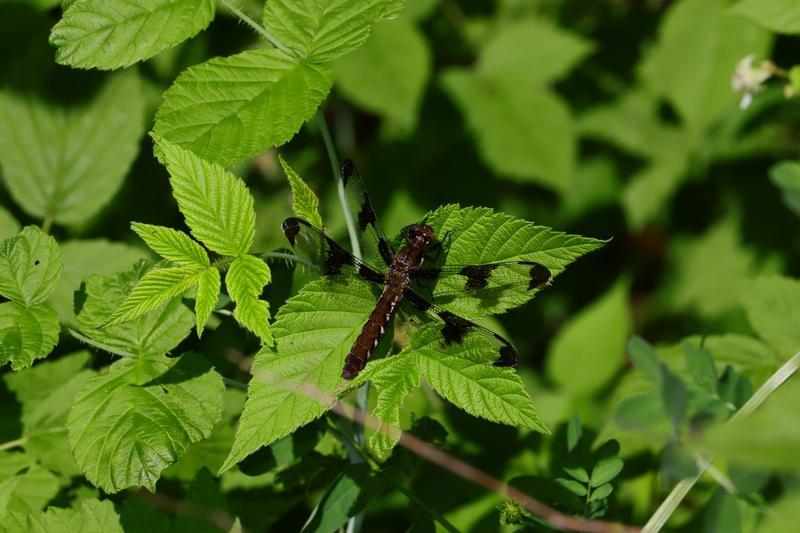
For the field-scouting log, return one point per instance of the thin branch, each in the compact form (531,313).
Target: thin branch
(674,498)
(258,28)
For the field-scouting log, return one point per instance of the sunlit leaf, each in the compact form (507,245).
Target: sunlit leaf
(781,16)
(26,333)
(245,280)
(305,203)
(172,245)
(30,266)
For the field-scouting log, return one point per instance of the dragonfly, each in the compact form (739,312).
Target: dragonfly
(407,284)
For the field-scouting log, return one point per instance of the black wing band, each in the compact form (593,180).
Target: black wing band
(374,244)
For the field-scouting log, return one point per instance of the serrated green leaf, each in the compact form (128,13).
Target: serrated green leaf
(155,288)
(319,31)
(30,266)
(786,175)
(154,333)
(208,288)
(479,235)
(305,203)
(32,490)
(9,226)
(699,45)
(227,109)
(216,204)
(172,245)
(139,416)
(394,379)
(468,380)
(772,305)
(605,471)
(245,280)
(523,133)
(294,385)
(62,162)
(26,333)
(109,35)
(82,258)
(780,16)
(389,73)
(93,516)
(590,349)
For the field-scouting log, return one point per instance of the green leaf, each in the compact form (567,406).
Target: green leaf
(645,196)
(216,204)
(294,385)
(701,367)
(208,288)
(780,16)
(341,500)
(573,486)
(139,416)
(154,333)
(479,235)
(600,493)
(468,380)
(108,35)
(699,45)
(30,266)
(305,203)
(64,162)
(245,280)
(30,490)
(644,357)
(93,516)
(676,400)
(389,73)
(227,109)
(45,393)
(172,245)
(524,133)
(786,175)
(9,227)
(782,516)
(26,333)
(319,31)
(83,258)
(772,305)
(590,349)
(574,432)
(605,471)
(155,288)
(578,473)
(394,379)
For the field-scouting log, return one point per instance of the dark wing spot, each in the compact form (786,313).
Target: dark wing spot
(386,252)
(291,227)
(416,300)
(348,169)
(335,259)
(477,275)
(455,327)
(366,216)
(508,355)
(538,273)
(369,274)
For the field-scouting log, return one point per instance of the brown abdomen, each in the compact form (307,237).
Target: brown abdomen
(372,332)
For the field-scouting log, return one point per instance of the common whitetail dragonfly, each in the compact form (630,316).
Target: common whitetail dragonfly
(405,282)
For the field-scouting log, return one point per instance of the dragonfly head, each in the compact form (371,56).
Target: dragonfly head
(419,233)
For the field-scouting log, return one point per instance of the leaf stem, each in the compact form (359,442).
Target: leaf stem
(47,223)
(234,384)
(13,444)
(679,492)
(258,28)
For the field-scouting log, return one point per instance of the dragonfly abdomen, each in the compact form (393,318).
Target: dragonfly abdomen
(373,331)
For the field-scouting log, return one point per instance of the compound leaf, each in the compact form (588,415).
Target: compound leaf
(155,288)
(139,416)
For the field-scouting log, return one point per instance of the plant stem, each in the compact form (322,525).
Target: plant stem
(234,384)
(12,444)
(258,28)
(362,396)
(286,257)
(47,223)
(673,500)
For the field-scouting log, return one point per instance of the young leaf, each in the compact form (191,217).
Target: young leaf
(780,16)
(30,266)
(154,333)
(64,162)
(773,309)
(469,380)
(216,204)
(294,385)
(227,109)
(305,203)
(133,420)
(605,471)
(155,288)
(601,492)
(479,235)
(90,516)
(389,73)
(322,30)
(26,333)
(172,245)
(109,34)
(207,295)
(590,348)
(245,280)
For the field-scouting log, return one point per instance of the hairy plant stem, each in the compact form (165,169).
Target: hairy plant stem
(673,500)
(258,28)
